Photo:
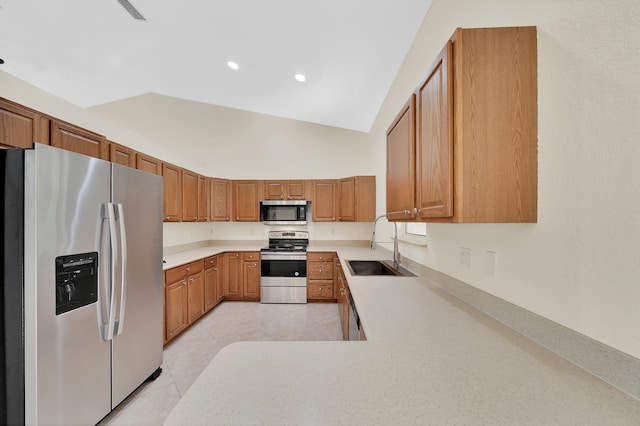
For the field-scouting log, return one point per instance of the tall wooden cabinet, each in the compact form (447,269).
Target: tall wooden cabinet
(475,133)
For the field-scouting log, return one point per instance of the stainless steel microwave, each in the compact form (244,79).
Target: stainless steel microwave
(284,212)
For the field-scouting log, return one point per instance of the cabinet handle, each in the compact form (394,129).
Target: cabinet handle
(183,282)
(191,279)
(188,269)
(215,268)
(415,210)
(211,262)
(167,218)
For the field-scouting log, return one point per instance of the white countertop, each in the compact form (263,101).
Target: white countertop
(429,359)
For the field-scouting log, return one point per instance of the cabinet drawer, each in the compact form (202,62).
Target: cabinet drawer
(320,270)
(320,256)
(211,262)
(320,289)
(182,272)
(250,256)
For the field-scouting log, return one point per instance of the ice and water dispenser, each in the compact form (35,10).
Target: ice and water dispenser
(76,281)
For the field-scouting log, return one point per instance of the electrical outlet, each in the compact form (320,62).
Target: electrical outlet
(490,263)
(465,257)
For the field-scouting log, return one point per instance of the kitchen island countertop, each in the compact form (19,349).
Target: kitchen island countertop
(429,359)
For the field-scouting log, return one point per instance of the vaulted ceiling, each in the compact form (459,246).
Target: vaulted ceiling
(94,52)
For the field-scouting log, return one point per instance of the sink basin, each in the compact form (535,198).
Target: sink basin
(376,267)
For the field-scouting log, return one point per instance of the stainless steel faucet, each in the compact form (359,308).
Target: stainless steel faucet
(396,253)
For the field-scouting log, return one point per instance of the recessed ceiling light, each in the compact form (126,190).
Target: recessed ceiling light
(300,77)
(232,65)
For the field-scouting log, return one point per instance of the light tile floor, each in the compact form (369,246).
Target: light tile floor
(229,322)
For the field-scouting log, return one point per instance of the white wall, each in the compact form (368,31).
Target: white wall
(579,265)
(236,144)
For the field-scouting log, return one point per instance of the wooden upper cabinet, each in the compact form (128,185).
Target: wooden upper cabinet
(324,200)
(203,198)
(347,204)
(220,200)
(172,192)
(246,200)
(148,164)
(476,132)
(189,196)
(357,199)
(401,163)
(76,139)
(285,190)
(434,141)
(119,154)
(20,126)
(496,125)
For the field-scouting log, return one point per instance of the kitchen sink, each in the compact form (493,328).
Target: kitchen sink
(376,267)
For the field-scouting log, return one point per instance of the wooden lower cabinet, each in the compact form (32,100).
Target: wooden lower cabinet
(232,276)
(251,276)
(184,297)
(213,282)
(343,302)
(242,276)
(320,276)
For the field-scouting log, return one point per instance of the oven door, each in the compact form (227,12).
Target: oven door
(283,278)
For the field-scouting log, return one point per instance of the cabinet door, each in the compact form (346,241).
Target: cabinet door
(251,280)
(220,200)
(76,139)
(189,196)
(148,164)
(274,190)
(246,200)
(119,154)
(195,288)
(324,201)
(347,204)
(20,127)
(176,318)
(203,199)
(434,145)
(210,283)
(232,271)
(401,163)
(172,192)
(296,190)
(220,268)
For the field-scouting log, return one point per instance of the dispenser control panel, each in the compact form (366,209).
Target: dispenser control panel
(76,281)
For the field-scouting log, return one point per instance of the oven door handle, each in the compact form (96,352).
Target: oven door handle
(283,256)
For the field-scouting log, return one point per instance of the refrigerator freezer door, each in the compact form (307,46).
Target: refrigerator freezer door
(137,341)
(67,377)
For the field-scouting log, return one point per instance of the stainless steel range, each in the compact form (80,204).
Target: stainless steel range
(284,268)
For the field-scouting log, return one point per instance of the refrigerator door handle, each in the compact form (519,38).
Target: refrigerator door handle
(119,325)
(114,257)
(104,279)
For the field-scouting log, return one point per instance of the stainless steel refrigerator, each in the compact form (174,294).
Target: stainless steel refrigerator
(81,285)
